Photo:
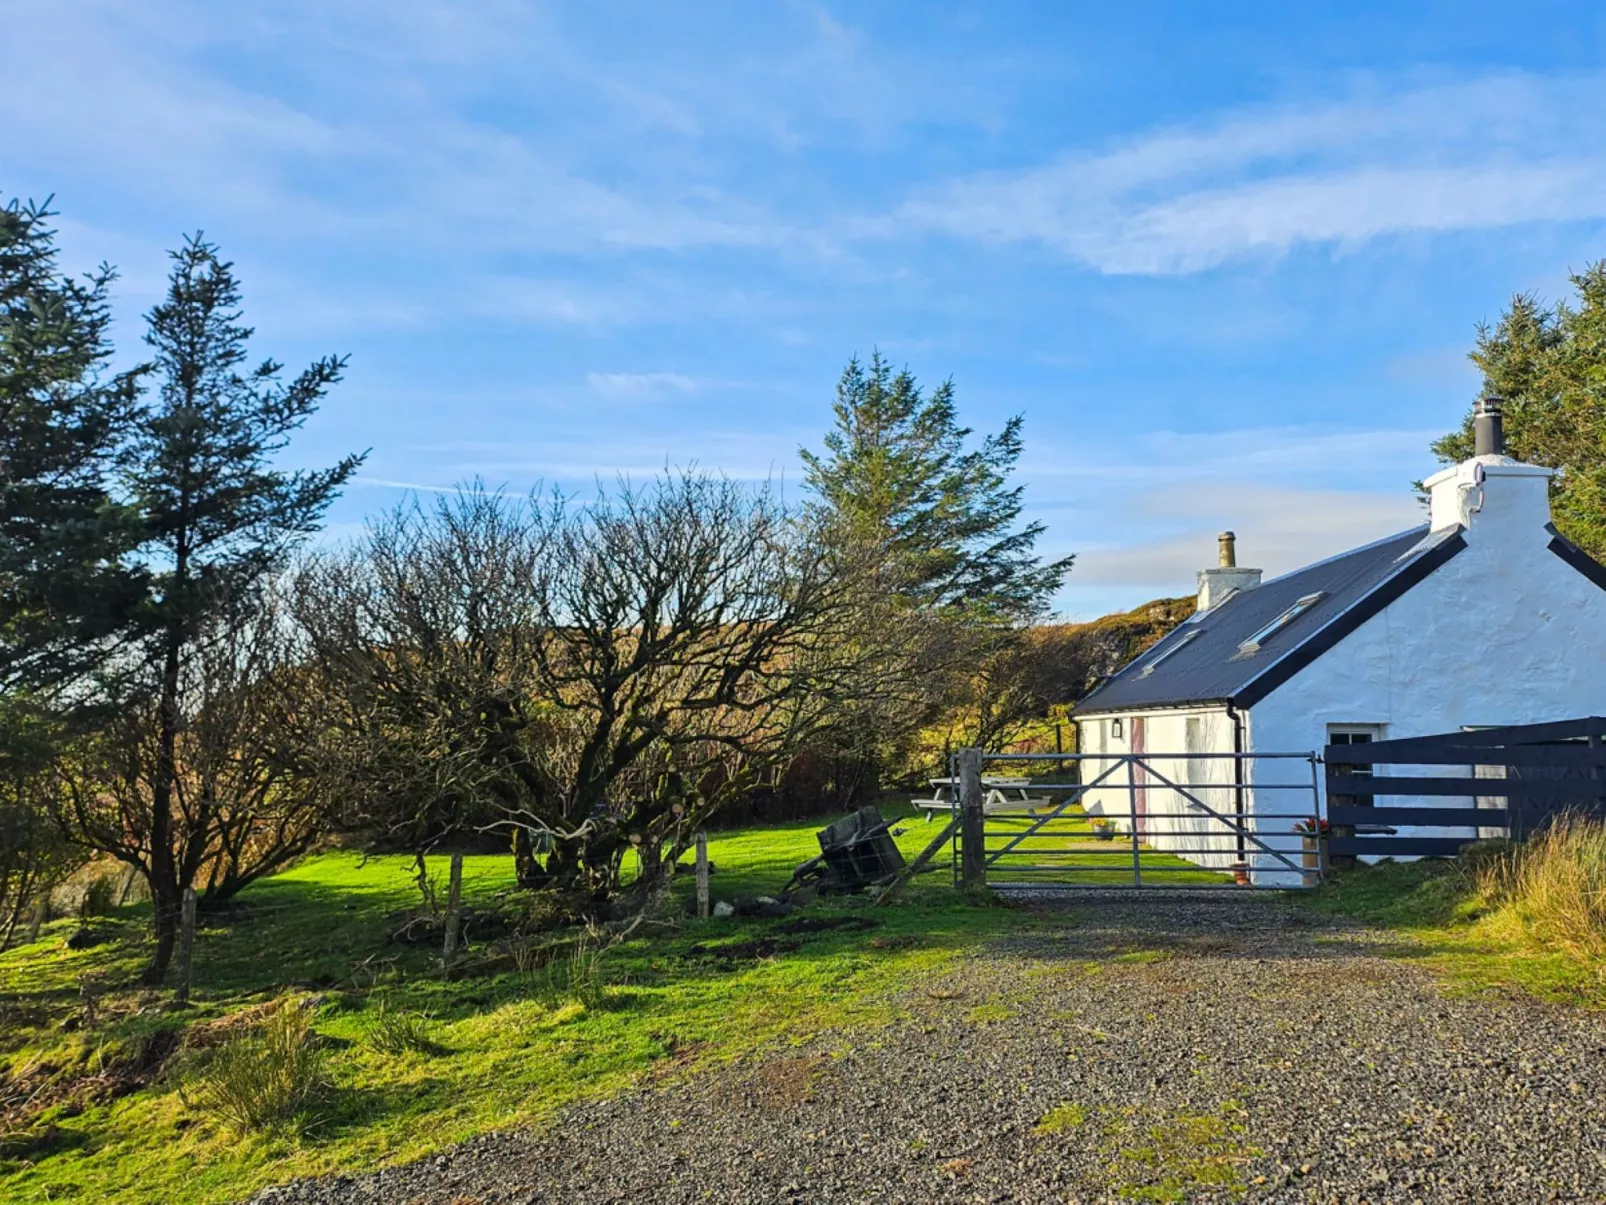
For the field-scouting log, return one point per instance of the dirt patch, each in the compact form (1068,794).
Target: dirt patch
(785,1083)
(896,941)
(828,924)
(25,1097)
(206,1034)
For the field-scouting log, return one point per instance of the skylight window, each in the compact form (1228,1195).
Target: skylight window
(1254,643)
(1149,668)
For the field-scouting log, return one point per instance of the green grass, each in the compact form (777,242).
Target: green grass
(1434,907)
(1067,846)
(502,1049)
(1061,1119)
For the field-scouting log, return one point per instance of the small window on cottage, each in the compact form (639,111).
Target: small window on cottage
(1176,646)
(1358,734)
(1254,643)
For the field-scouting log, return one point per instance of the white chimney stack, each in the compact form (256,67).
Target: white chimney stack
(1226,578)
(1491,494)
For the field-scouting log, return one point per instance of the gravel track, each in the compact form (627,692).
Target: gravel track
(1180,1049)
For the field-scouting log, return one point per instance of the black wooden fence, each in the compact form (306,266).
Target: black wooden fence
(1510,779)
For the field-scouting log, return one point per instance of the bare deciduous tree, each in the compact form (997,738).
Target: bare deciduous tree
(241,804)
(599,677)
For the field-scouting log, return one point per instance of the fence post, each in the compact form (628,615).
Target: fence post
(186,946)
(702,876)
(973,821)
(454,897)
(1132,818)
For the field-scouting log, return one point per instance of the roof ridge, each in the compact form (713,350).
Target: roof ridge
(1423,527)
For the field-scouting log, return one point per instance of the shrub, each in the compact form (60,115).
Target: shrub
(273,1076)
(1555,884)
(396,1031)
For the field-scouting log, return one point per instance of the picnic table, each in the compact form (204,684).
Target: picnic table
(1000,796)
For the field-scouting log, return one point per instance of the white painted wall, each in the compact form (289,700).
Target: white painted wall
(1177,819)
(1505,633)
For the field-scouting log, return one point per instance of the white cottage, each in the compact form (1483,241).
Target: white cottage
(1484,616)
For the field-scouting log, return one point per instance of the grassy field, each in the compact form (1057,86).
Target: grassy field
(1063,847)
(504,1048)
(95,1106)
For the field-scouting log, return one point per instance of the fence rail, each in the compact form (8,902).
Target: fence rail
(1528,774)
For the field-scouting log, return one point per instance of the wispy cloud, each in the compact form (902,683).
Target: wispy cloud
(1492,152)
(1278,529)
(639,384)
(1142,516)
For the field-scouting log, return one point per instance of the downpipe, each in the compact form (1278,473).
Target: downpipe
(1238,809)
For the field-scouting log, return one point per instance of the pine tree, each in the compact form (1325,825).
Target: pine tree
(66,594)
(217,518)
(939,517)
(1549,367)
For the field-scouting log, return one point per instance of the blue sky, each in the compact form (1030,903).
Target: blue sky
(1227,259)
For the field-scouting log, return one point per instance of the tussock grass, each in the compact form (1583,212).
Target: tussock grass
(1554,885)
(581,975)
(398,1031)
(271,1077)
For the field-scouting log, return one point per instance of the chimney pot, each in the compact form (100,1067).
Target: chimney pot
(1216,585)
(1488,427)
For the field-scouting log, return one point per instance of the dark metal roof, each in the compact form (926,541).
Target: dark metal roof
(1212,665)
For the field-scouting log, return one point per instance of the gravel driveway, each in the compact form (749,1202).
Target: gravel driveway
(1185,1049)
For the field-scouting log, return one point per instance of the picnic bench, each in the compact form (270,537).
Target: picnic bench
(1000,797)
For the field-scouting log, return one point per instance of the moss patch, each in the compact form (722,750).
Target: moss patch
(1061,1119)
(1179,1156)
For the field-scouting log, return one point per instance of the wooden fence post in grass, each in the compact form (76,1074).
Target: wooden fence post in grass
(454,897)
(702,876)
(972,820)
(186,946)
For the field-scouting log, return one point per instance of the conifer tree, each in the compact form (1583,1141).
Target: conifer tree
(940,517)
(1548,364)
(66,594)
(217,519)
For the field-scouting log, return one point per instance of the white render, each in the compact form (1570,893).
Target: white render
(1504,632)
(1177,819)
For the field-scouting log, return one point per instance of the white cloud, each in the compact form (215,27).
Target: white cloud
(1278,529)
(639,384)
(1492,152)
(1143,516)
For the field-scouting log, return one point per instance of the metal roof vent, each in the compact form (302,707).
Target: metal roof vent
(1488,427)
